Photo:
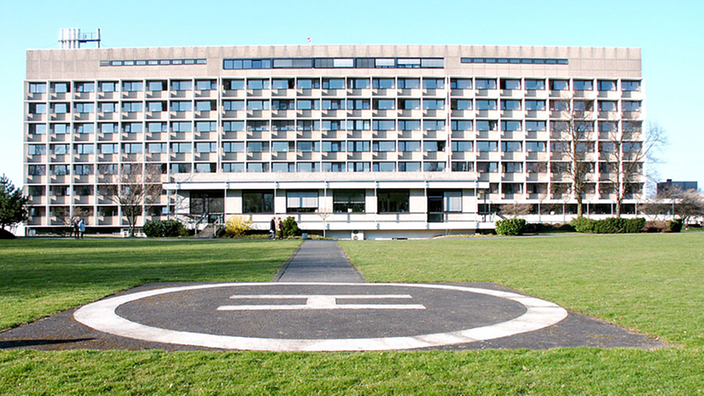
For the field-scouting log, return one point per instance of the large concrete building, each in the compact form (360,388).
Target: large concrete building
(366,141)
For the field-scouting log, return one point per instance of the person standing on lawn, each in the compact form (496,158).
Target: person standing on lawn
(280,228)
(81,228)
(272,228)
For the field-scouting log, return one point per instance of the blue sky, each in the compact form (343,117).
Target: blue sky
(669,33)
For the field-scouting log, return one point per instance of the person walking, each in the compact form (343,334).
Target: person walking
(74,226)
(280,228)
(272,228)
(81,228)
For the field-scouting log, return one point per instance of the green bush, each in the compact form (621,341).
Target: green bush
(163,228)
(583,225)
(510,227)
(611,225)
(674,225)
(291,228)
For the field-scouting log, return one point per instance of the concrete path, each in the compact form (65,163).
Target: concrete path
(319,261)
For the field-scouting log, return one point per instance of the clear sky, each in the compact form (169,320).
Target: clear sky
(669,33)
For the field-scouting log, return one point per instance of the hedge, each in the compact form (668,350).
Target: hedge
(611,225)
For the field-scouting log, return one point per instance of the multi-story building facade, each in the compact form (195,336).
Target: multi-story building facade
(369,141)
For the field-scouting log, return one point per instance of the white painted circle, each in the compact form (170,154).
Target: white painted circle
(101,316)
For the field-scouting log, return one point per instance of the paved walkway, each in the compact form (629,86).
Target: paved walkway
(319,261)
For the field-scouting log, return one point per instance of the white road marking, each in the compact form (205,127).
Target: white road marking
(101,316)
(318,302)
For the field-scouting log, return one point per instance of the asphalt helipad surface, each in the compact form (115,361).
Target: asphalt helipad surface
(319,303)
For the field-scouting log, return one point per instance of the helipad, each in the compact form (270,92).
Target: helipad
(305,316)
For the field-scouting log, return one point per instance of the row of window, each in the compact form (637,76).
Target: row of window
(524,61)
(154,62)
(328,147)
(334,63)
(332,104)
(335,125)
(530,84)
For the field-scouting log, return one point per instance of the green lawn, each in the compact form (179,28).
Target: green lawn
(651,283)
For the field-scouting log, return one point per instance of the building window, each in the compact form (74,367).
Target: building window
(384,104)
(180,168)
(510,126)
(181,105)
(284,167)
(535,126)
(583,85)
(486,83)
(559,85)
(181,85)
(37,88)
(461,83)
(157,148)
(333,83)
(258,201)
(36,149)
(107,107)
(233,147)
(408,146)
(181,127)
(486,104)
(462,166)
(84,149)
(308,83)
(85,87)
(37,129)
(433,104)
(233,167)
(132,127)
(383,83)
(408,83)
(511,167)
(357,146)
(36,170)
(630,85)
(434,146)
(535,146)
(358,104)
(484,146)
(510,84)
(60,149)
(333,146)
(461,146)
(461,104)
(180,148)
(348,201)
(107,86)
(37,108)
(408,125)
(608,105)
(131,107)
(60,129)
(631,105)
(409,166)
(233,85)
(108,148)
(301,201)
(510,104)
(334,167)
(535,105)
(433,125)
(383,146)
(60,87)
(132,86)
(206,85)
(606,85)
(487,125)
(357,83)
(384,167)
(393,201)
(83,169)
(461,125)
(433,83)
(535,85)
(487,167)
(60,108)
(206,147)
(433,166)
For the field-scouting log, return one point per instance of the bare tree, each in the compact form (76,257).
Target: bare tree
(134,190)
(674,201)
(574,145)
(516,209)
(324,213)
(626,153)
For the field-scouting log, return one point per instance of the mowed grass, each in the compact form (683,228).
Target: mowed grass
(39,277)
(651,283)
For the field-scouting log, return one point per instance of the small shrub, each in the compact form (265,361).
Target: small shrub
(291,228)
(655,226)
(510,227)
(164,228)
(583,225)
(237,226)
(674,225)
(634,226)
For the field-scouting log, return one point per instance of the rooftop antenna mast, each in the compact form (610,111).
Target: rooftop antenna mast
(73,38)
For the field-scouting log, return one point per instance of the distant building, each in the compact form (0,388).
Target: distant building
(380,140)
(667,186)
